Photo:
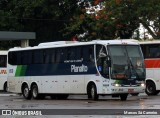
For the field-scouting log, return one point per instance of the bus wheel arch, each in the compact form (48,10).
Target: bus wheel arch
(151,88)
(92,91)
(26,91)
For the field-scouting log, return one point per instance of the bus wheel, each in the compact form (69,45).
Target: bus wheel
(34,91)
(26,92)
(123,97)
(92,92)
(5,88)
(151,88)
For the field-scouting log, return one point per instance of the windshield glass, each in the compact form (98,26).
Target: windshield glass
(126,62)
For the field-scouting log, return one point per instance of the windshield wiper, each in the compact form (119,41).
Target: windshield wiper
(133,68)
(131,65)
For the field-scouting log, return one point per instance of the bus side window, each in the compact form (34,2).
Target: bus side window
(26,57)
(18,58)
(38,57)
(49,56)
(60,55)
(3,61)
(79,53)
(88,54)
(91,54)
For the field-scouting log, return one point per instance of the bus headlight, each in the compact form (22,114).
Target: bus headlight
(117,85)
(143,84)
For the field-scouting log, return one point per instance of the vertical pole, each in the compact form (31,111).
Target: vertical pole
(24,43)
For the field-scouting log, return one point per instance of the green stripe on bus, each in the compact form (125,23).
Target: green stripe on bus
(20,71)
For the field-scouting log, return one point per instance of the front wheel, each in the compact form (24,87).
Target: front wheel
(26,92)
(151,88)
(92,92)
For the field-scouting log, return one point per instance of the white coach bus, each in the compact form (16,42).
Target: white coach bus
(3,70)
(58,69)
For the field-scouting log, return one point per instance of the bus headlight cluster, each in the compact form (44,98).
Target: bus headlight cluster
(143,84)
(117,85)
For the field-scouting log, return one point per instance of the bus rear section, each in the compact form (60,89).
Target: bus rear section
(151,51)
(3,70)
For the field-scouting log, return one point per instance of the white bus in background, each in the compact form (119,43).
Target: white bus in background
(3,70)
(59,69)
(151,52)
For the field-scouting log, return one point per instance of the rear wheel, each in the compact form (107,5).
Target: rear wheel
(26,92)
(92,92)
(151,88)
(35,94)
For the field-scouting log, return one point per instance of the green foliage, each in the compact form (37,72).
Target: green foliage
(117,19)
(62,19)
(45,17)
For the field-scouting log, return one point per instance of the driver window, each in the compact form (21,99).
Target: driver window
(102,66)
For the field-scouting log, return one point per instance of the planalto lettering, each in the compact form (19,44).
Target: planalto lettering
(82,68)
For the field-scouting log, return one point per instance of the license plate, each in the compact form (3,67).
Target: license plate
(130,90)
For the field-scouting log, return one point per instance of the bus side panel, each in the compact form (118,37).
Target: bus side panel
(54,84)
(3,77)
(157,78)
(149,73)
(153,71)
(14,83)
(77,84)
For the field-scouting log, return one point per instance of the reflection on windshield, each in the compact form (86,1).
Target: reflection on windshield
(127,62)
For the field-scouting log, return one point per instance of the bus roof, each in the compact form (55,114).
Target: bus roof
(150,42)
(75,43)
(3,52)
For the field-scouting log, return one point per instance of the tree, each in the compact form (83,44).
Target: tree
(45,17)
(149,16)
(116,19)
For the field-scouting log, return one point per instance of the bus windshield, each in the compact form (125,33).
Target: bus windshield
(126,62)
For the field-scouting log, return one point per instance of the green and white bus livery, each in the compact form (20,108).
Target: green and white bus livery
(59,69)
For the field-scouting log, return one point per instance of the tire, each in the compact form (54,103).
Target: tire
(151,88)
(123,97)
(35,94)
(92,92)
(5,88)
(26,92)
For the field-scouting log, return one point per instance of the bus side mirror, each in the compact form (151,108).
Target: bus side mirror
(102,54)
(109,63)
